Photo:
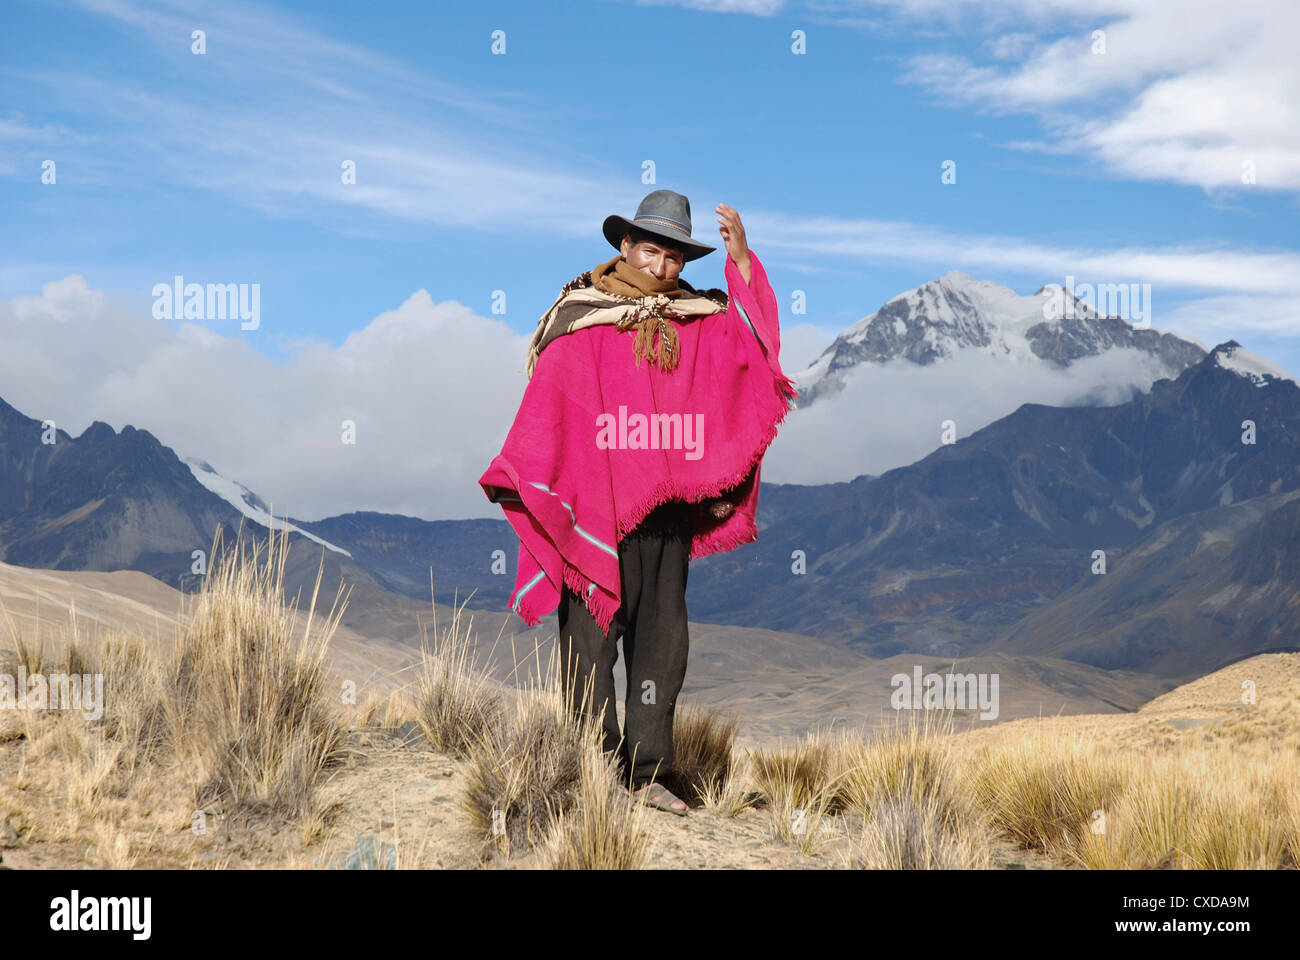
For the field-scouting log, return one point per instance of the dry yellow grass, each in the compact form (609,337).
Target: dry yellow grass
(734,794)
(798,785)
(703,757)
(604,830)
(1199,809)
(905,833)
(456,705)
(1044,791)
(1206,793)
(1205,777)
(540,781)
(236,720)
(209,747)
(894,800)
(246,697)
(906,784)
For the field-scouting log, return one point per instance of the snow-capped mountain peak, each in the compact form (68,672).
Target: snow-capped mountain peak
(246,501)
(957,313)
(1233,356)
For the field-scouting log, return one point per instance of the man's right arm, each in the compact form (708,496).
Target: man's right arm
(752,309)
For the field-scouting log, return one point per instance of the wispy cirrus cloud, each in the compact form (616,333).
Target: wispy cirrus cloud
(1187,267)
(269,114)
(1211,293)
(762,8)
(250,42)
(1200,92)
(430,151)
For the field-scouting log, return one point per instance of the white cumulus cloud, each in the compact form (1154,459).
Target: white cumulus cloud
(431,387)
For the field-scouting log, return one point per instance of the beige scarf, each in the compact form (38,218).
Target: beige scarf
(615,292)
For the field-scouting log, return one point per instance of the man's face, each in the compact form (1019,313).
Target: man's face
(659,261)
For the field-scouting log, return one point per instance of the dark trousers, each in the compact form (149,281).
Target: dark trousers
(653,560)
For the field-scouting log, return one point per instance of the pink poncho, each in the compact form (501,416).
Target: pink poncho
(586,458)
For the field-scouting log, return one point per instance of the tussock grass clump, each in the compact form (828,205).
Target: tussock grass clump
(540,781)
(1046,792)
(806,769)
(455,705)
(904,833)
(917,814)
(523,777)
(1282,797)
(78,777)
(237,713)
(525,773)
(137,710)
(81,776)
(605,830)
(247,699)
(799,786)
(904,786)
(703,745)
(910,764)
(29,654)
(1198,811)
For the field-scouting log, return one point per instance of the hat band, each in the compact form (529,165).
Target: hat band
(662,220)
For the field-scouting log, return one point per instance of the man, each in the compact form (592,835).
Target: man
(637,448)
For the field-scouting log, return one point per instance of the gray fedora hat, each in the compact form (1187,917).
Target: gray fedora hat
(665,214)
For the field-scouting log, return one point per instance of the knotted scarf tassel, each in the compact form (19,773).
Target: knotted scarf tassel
(648,321)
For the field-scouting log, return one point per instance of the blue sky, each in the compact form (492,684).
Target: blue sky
(479,172)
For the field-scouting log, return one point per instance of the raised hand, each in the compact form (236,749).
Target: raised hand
(733,237)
